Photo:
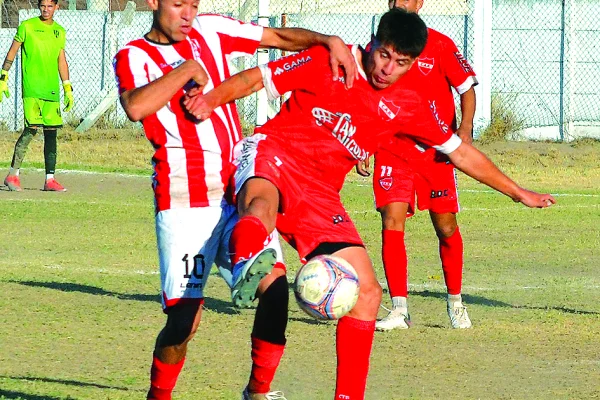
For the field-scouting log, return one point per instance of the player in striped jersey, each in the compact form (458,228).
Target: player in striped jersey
(182,53)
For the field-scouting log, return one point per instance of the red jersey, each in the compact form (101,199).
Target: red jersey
(192,162)
(331,128)
(439,68)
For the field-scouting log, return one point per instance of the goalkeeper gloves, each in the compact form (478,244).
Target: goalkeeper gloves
(4,84)
(69,101)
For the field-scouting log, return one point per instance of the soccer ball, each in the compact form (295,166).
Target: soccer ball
(326,287)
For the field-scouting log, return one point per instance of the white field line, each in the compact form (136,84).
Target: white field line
(495,192)
(105,271)
(61,201)
(513,208)
(437,286)
(80,172)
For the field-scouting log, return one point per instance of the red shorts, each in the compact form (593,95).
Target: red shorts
(431,178)
(311,210)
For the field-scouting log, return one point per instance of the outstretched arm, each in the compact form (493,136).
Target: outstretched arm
(146,100)
(475,164)
(239,85)
(296,39)
(467,108)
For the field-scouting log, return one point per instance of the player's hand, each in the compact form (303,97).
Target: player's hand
(200,76)
(534,199)
(466,134)
(4,85)
(68,101)
(362,168)
(340,55)
(198,106)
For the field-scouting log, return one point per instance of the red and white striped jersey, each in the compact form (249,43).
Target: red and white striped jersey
(192,161)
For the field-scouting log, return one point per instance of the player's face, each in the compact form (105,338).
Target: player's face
(409,5)
(385,66)
(173,19)
(47,9)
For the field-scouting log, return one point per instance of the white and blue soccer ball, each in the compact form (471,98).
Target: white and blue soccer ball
(326,287)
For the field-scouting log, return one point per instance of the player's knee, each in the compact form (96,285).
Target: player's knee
(371,294)
(392,221)
(181,326)
(445,230)
(263,209)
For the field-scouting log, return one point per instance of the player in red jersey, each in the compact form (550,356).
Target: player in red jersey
(290,173)
(192,163)
(404,171)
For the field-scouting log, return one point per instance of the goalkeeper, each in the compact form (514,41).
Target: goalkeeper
(42,43)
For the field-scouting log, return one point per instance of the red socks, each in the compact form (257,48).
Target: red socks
(354,340)
(249,236)
(163,378)
(451,254)
(395,262)
(265,360)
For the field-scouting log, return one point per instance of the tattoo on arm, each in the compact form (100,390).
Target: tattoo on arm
(7,64)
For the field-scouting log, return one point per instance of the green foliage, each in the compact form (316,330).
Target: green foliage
(505,124)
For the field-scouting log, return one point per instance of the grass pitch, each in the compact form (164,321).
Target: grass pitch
(80,308)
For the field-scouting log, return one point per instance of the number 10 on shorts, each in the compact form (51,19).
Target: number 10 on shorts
(196,272)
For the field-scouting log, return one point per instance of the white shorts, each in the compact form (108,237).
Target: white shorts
(190,241)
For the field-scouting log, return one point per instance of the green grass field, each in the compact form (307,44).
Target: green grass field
(79,305)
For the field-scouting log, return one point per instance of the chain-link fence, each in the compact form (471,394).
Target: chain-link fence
(545,63)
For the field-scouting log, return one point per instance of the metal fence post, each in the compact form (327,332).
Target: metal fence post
(262,102)
(561,108)
(482,62)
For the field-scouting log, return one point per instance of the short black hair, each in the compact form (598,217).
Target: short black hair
(405,32)
(40,2)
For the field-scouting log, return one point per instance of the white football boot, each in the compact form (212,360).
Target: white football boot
(275,395)
(398,317)
(459,318)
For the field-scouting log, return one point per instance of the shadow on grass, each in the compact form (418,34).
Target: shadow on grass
(10,395)
(76,287)
(215,305)
(472,299)
(64,382)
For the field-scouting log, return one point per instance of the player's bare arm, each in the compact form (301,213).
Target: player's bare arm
(10,56)
(475,164)
(467,108)
(146,100)
(362,167)
(238,86)
(296,39)
(63,71)
(63,67)
(8,61)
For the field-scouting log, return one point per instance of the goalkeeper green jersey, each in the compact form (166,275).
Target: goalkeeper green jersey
(41,45)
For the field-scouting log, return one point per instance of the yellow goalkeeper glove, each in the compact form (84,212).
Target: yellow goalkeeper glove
(4,85)
(69,101)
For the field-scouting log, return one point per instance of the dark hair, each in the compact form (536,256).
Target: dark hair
(405,32)
(40,2)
